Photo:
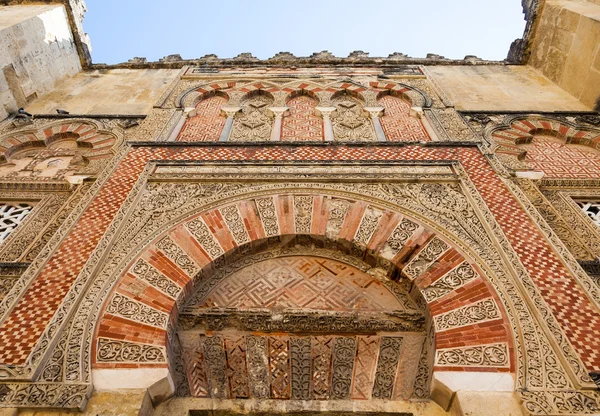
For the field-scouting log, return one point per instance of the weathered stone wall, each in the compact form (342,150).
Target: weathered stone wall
(114,91)
(502,87)
(36,51)
(565,47)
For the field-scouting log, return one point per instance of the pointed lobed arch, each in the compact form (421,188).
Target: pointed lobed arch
(555,147)
(208,121)
(142,311)
(90,135)
(300,123)
(397,121)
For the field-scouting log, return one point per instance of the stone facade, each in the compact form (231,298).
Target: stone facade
(344,235)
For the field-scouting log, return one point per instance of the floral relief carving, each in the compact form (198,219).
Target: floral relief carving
(214,355)
(493,355)
(254,124)
(202,234)
(300,352)
(143,270)
(258,366)
(387,366)
(367,225)
(175,253)
(111,350)
(457,277)
(303,206)
(344,350)
(402,232)
(128,308)
(482,311)
(425,258)
(234,222)
(268,215)
(348,122)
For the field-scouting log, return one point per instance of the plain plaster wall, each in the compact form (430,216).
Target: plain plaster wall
(111,91)
(502,87)
(36,51)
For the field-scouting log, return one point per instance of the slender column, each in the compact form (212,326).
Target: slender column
(183,116)
(418,112)
(325,112)
(230,112)
(278,113)
(375,113)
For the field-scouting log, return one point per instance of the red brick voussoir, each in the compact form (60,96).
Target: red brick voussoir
(22,329)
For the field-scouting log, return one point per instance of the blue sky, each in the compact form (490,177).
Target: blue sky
(122,29)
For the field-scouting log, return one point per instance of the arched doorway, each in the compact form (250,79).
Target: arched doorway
(301,324)
(446,292)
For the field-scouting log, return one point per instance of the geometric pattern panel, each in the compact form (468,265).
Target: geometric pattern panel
(303,368)
(559,160)
(11,215)
(302,124)
(397,123)
(303,282)
(207,124)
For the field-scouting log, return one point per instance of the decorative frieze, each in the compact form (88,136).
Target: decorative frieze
(454,279)
(178,256)
(492,355)
(482,311)
(119,351)
(125,307)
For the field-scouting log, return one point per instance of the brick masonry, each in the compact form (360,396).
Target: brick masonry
(397,122)
(22,329)
(207,124)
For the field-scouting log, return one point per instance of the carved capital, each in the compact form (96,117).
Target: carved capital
(416,112)
(189,112)
(529,174)
(325,112)
(278,111)
(374,112)
(230,112)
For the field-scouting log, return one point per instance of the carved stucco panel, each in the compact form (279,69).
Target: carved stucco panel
(523,317)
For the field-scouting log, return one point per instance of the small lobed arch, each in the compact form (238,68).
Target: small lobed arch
(520,130)
(207,121)
(301,93)
(348,93)
(397,121)
(509,137)
(256,92)
(211,94)
(414,96)
(300,121)
(207,241)
(190,97)
(89,136)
